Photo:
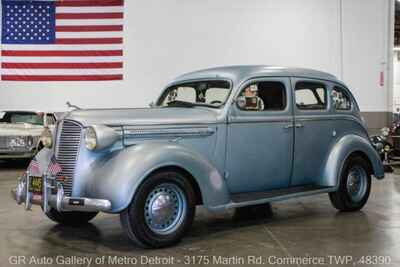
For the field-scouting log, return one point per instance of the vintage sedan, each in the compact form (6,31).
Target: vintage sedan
(20,132)
(223,138)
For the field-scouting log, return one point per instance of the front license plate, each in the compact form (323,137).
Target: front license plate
(35,185)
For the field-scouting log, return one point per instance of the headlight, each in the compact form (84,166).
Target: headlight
(385,131)
(98,137)
(90,138)
(47,138)
(17,141)
(387,148)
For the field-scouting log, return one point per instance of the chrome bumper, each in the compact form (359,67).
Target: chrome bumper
(57,201)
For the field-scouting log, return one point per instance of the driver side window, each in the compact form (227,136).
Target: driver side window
(263,96)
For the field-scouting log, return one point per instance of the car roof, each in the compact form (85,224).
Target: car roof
(241,73)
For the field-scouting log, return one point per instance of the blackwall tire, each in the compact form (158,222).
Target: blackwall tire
(70,218)
(161,211)
(354,187)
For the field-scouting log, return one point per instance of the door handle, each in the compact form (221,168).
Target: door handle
(288,126)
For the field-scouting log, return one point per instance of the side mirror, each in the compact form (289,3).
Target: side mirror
(241,102)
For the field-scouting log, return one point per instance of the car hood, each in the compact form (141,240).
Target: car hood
(10,129)
(145,116)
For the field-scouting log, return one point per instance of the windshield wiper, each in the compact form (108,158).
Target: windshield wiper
(179,103)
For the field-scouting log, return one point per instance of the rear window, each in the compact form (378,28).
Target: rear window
(310,96)
(340,98)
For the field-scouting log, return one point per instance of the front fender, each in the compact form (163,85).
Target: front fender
(341,150)
(118,176)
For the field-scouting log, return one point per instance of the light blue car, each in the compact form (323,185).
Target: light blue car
(223,138)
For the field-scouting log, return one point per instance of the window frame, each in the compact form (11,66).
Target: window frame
(326,92)
(326,86)
(346,92)
(158,102)
(260,80)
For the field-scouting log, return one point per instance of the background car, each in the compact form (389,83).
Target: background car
(20,132)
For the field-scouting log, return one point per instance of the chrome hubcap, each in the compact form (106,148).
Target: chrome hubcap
(357,183)
(165,208)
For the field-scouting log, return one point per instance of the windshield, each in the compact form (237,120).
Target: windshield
(201,93)
(31,118)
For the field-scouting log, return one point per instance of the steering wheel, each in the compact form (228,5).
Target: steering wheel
(215,102)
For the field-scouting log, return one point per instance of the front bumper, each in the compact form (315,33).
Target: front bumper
(58,201)
(16,155)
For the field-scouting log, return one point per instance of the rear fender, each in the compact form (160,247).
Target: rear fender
(343,148)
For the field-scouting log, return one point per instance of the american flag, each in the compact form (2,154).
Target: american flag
(34,167)
(54,168)
(62,40)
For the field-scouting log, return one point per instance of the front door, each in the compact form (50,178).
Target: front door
(260,137)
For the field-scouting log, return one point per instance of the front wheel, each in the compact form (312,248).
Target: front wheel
(161,211)
(355,185)
(70,218)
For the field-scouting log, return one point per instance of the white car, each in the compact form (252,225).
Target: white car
(20,132)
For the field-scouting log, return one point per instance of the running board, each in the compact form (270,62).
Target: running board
(254,198)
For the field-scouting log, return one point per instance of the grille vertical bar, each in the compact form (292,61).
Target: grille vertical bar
(68,144)
(4,142)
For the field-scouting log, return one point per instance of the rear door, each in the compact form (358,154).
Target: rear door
(314,130)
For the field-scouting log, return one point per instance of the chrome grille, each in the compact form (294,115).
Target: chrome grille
(69,138)
(3,142)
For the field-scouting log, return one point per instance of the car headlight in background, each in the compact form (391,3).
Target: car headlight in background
(90,138)
(385,131)
(17,141)
(47,138)
(98,137)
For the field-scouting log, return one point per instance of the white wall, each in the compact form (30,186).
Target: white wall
(166,38)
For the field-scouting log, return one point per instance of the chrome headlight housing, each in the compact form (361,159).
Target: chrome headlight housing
(47,138)
(98,137)
(90,138)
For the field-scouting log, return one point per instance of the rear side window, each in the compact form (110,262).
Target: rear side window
(310,96)
(340,98)
(263,96)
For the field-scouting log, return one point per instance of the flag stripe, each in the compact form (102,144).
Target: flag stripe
(61,77)
(51,47)
(94,59)
(61,35)
(90,28)
(61,71)
(87,22)
(90,9)
(101,65)
(90,3)
(116,15)
(49,53)
(79,41)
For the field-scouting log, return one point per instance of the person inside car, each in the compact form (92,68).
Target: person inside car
(253,102)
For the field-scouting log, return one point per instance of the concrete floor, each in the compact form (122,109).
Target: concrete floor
(307,227)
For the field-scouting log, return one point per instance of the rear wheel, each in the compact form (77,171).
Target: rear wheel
(355,185)
(71,218)
(161,211)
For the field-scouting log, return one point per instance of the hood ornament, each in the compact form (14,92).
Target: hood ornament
(72,106)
